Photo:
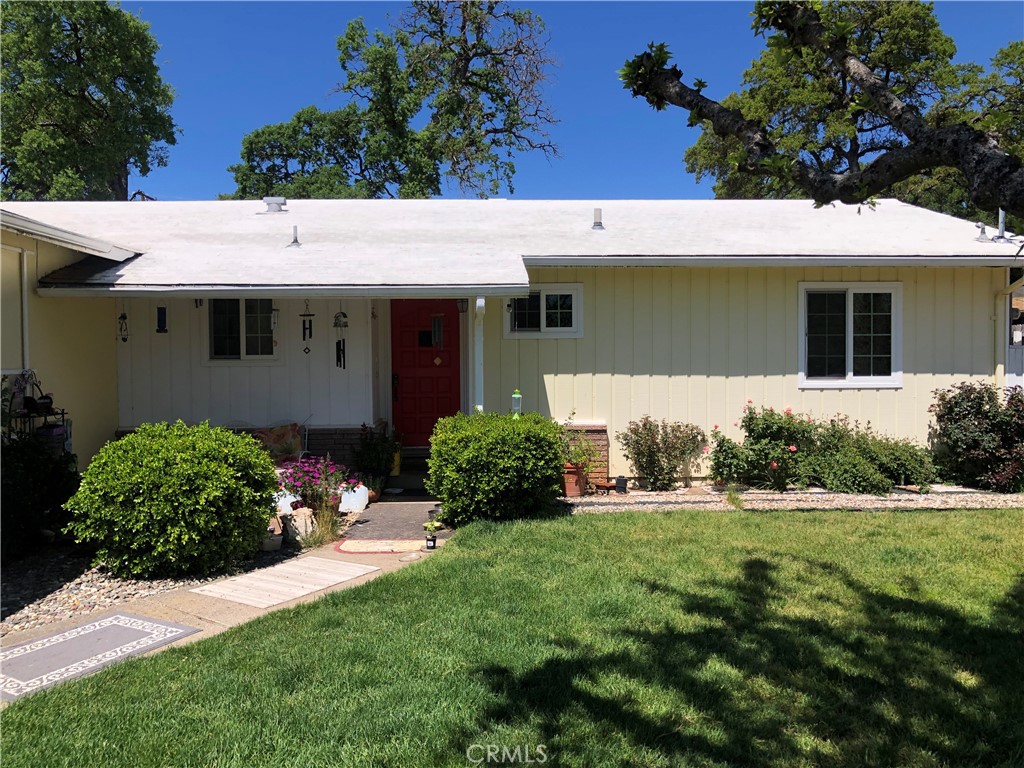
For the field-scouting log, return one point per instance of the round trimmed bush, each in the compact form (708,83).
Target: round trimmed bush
(490,466)
(170,500)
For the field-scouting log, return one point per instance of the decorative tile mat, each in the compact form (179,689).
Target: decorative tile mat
(378,546)
(284,582)
(81,650)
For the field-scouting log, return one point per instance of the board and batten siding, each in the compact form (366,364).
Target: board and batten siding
(695,344)
(169,376)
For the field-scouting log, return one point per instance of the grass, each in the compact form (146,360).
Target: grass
(677,639)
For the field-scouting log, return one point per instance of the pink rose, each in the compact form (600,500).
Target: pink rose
(716,426)
(775,465)
(789,411)
(707,449)
(792,449)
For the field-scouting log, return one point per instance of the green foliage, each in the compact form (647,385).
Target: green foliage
(375,455)
(636,74)
(490,466)
(826,121)
(978,437)
(662,452)
(454,91)
(83,101)
(174,499)
(578,449)
(330,155)
(35,482)
(783,449)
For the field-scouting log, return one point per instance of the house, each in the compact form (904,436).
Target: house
(333,313)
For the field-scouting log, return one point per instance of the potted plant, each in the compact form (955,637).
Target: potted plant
(377,454)
(432,527)
(580,455)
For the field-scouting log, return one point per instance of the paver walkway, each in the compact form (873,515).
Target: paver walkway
(208,614)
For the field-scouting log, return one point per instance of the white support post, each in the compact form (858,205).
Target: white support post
(478,354)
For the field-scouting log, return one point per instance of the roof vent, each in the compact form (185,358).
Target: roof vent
(295,238)
(597,219)
(275,204)
(982,237)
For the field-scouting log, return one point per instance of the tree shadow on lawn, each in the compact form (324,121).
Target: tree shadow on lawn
(890,681)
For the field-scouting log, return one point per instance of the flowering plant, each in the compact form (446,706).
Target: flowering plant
(315,480)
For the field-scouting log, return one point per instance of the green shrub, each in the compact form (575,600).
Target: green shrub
(662,452)
(491,466)
(172,499)
(844,470)
(783,449)
(978,438)
(34,485)
(771,456)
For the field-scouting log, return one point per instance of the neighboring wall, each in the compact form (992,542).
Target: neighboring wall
(168,376)
(694,344)
(71,343)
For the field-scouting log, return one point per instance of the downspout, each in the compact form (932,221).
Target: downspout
(23,254)
(1002,334)
(478,354)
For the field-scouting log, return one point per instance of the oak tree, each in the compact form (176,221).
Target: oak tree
(850,101)
(453,92)
(82,99)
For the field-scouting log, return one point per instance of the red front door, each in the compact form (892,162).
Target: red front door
(424,366)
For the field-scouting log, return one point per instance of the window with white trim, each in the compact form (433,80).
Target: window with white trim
(549,311)
(241,329)
(851,335)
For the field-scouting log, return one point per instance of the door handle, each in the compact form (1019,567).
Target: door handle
(394,387)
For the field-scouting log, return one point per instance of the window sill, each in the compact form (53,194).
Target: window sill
(896,383)
(564,334)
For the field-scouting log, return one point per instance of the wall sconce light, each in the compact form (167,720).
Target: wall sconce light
(122,326)
(463,305)
(161,319)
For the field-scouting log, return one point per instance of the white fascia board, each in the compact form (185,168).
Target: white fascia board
(774,261)
(309,291)
(22,225)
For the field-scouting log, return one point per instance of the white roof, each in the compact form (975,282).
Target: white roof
(429,247)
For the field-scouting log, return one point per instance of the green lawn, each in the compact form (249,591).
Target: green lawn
(685,639)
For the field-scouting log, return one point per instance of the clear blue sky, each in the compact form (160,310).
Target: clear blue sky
(236,66)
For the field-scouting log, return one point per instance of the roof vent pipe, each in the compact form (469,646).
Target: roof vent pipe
(982,237)
(275,204)
(597,219)
(295,238)
(1001,236)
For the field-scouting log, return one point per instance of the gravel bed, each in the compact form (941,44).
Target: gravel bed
(58,584)
(714,498)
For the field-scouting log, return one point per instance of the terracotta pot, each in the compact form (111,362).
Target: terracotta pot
(574,480)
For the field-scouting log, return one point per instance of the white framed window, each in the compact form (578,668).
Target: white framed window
(241,329)
(851,336)
(550,311)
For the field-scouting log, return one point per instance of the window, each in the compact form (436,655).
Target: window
(550,311)
(850,335)
(241,328)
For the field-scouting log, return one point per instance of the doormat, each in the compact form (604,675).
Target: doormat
(285,581)
(378,546)
(81,651)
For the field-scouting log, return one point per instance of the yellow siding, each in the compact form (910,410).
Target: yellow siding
(71,346)
(10,310)
(694,344)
